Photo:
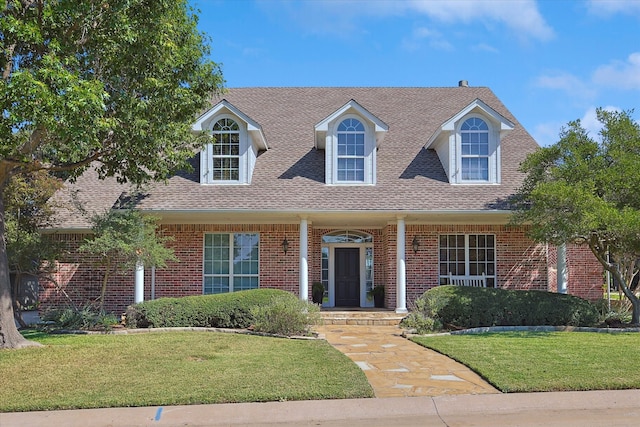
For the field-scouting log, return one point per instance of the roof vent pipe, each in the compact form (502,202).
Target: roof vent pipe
(463,83)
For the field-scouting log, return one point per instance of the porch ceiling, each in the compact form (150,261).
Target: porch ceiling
(332,219)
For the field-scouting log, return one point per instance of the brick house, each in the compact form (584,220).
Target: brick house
(351,187)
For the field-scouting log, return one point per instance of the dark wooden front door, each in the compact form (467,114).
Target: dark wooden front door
(347,271)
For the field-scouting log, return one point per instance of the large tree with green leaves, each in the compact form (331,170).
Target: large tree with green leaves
(585,190)
(110,84)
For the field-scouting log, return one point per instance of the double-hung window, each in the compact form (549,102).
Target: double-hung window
(231,262)
(467,255)
(351,151)
(474,135)
(226,150)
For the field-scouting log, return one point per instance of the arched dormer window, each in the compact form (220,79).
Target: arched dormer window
(226,150)
(468,144)
(350,137)
(474,150)
(351,151)
(236,139)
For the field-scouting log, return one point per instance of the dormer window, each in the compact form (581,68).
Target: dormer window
(226,151)
(236,140)
(474,142)
(351,154)
(468,144)
(350,137)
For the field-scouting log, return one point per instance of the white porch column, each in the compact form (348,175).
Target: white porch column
(562,271)
(139,283)
(401,269)
(304,259)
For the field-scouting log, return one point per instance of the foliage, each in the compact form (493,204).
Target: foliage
(469,307)
(84,318)
(317,287)
(420,317)
(27,210)
(173,368)
(113,84)
(544,361)
(585,191)
(229,310)
(121,239)
(377,290)
(285,315)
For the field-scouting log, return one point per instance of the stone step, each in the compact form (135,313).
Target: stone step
(361,317)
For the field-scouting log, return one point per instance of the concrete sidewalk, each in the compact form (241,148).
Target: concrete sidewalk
(584,409)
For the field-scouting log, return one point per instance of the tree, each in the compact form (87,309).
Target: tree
(27,211)
(122,239)
(109,84)
(584,190)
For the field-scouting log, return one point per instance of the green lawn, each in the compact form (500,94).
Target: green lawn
(554,361)
(87,371)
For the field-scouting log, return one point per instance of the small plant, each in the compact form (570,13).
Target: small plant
(286,316)
(377,293)
(317,292)
(85,318)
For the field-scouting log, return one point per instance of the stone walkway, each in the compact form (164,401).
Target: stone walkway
(397,367)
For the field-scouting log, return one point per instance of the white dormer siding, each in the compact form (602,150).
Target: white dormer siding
(232,157)
(468,145)
(350,137)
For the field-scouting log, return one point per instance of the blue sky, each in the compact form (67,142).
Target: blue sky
(549,61)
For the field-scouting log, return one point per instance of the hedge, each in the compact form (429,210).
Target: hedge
(229,310)
(467,307)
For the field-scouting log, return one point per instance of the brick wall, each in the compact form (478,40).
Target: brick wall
(521,264)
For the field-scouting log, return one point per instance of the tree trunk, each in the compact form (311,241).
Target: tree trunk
(635,313)
(9,335)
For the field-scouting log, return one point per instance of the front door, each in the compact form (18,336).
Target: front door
(347,275)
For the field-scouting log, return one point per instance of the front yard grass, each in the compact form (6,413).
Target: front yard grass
(541,361)
(172,368)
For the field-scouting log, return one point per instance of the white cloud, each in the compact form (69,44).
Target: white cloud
(590,121)
(434,38)
(547,134)
(521,16)
(483,47)
(567,83)
(611,7)
(620,74)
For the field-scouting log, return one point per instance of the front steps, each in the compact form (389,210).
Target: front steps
(368,317)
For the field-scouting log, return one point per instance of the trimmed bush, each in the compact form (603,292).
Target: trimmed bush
(230,310)
(285,316)
(461,307)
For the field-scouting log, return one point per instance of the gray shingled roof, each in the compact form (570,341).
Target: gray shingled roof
(290,175)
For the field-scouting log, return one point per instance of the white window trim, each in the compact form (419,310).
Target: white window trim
(369,151)
(493,157)
(231,274)
(466,255)
(206,160)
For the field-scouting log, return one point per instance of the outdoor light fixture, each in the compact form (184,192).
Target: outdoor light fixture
(285,245)
(415,244)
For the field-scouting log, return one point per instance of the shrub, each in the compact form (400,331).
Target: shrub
(467,307)
(85,318)
(230,310)
(285,316)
